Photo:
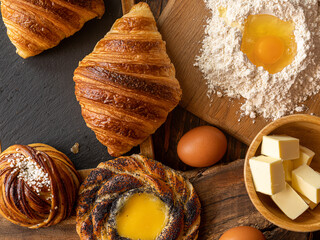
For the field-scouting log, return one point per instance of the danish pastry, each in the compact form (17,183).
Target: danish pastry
(36,25)
(137,198)
(38,185)
(126,87)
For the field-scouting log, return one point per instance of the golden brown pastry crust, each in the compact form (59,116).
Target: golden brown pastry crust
(127,85)
(33,203)
(125,175)
(36,25)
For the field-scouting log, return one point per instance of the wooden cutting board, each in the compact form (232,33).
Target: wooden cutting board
(182,27)
(224,202)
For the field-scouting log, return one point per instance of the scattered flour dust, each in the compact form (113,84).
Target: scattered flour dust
(229,72)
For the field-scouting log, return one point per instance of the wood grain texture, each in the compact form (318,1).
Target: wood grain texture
(224,201)
(146,148)
(225,204)
(127,5)
(37,104)
(157,6)
(307,129)
(178,123)
(182,26)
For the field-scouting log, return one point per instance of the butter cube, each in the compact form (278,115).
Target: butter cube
(307,181)
(280,147)
(305,157)
(267,174)
(311,204)
(290,202)
(287,167)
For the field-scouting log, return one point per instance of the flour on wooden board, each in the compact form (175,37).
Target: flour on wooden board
(229,72)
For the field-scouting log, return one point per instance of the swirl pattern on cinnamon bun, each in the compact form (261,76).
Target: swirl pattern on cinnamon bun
(105,191)
(38,185)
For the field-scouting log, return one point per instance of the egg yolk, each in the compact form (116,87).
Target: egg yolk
(269,49)
(142,217)
(269,42)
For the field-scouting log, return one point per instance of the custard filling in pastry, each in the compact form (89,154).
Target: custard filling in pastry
(134,197)
(142,216)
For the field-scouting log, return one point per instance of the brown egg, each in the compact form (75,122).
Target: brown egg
(242,233)
(202,146)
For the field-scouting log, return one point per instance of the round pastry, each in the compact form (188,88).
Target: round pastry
(137,198)
(38,185)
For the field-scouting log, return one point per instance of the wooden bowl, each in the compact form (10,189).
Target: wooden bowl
(307,129)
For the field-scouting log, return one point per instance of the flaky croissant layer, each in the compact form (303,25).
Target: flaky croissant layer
(36,25)
(126,87)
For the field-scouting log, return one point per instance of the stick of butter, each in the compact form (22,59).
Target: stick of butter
(280,147)
(305,157)
(267,174)
(290,202)
(307,181)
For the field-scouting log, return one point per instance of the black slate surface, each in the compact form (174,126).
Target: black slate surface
(37,101)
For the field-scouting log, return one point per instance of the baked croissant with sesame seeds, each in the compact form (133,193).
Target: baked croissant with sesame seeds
(107,194)
(126,87)
(36,25)
(38,185)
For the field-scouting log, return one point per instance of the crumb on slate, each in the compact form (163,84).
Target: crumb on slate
(75,148)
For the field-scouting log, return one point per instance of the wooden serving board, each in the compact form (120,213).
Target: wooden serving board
(224,203)
(182,27)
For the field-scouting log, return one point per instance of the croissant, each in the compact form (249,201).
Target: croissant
(36,25)
(115,195)
(38,185)
(126,87)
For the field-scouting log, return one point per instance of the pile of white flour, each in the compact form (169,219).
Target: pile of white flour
(230,73)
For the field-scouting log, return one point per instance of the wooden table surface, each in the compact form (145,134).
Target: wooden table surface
(165,142)
(180,121)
